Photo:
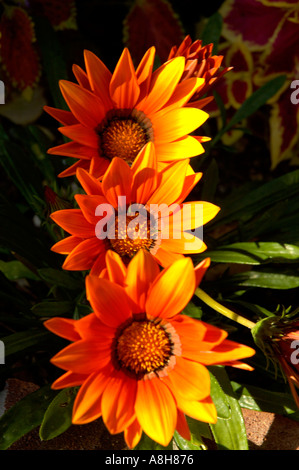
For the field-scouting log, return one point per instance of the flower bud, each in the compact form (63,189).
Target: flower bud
(199,63)
(278,338)
(55,202)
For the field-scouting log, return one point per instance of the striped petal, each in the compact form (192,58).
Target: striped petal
(163,83)
(90,327)
(190,182)
(171,184)
(124,88)
(85,106)
(182,426)
(166,257)
(145,177)
(64,117)
(64,327)
(84,255)
(74,222)
(227,351)
(81,134)
(69,379)
(99,77)
(177,123)
(203,410)
(200,270)
(117,182)
(98,166)
(183,92)
(116,269)
(132,434)
(73,168)
(81,77)
(89,183)
(75,150)
(87,405)
(186,244)
(156,410)
(65,246)
(141,273)
(172,290)
(118,401)
(99,264)
(108,300)
(84,356)
(89,205)
(144,71)
(183,148)
(189,379)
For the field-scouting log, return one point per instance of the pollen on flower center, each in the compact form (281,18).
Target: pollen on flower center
(123,133)
(131,233)
(144,347)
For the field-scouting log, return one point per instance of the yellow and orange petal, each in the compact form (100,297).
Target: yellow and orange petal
(139,371)
(107,218)
(116,114)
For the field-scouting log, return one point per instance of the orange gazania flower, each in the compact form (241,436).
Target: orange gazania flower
(199,63)
(115,115)
(140,364)
(106,218)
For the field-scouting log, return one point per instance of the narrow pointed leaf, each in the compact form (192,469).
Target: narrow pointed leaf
(254,253)
(58,416)
(24,416)
(253,103)
(229,432)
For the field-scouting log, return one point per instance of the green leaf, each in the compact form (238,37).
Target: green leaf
(256,200)
(57,277)
(192,310)
(198,430)
(58,416)
(259,399)
(254,253)
(23,340)
(212,31)
(229,432)
(81,310)
(50,308)
(14,270)
(253,103)
(267,279)
(24,416)
(193,444)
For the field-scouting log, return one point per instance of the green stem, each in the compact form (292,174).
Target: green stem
(223,310)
